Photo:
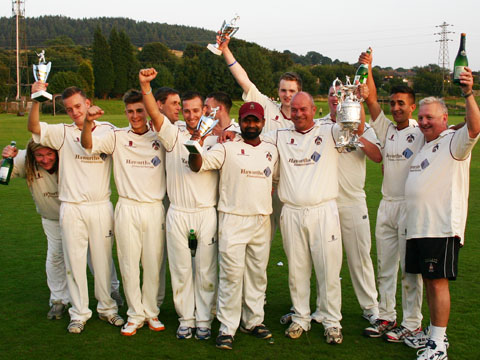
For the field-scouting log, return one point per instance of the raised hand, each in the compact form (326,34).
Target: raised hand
(9,151)
(93,113)
(38,86)
(222,43)
(365,58)
(145,76)
(466,80)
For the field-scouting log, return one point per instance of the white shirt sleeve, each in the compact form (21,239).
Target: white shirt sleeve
(461,145)
(51,135)
(104,143)
(168,135)
(19,164)
(380,125)
(214,158)
(370,136)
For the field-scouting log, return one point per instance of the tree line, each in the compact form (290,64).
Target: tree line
(108,65)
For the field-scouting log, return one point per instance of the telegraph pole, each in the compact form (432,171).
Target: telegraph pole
(443,60)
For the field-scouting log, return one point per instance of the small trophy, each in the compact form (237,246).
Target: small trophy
(226,30)
(348,115)
(40,73)
(205,125)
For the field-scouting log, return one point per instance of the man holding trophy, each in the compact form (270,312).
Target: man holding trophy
(193,197)
(247,166)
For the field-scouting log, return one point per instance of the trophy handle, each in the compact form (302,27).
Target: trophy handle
(35,72)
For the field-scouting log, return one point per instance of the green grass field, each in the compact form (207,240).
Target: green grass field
(26,333)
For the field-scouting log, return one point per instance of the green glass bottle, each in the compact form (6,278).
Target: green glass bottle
(460,61)
(192,242)
(6,168)
(362,72)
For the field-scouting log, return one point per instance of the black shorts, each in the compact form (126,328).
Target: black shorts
(434,258)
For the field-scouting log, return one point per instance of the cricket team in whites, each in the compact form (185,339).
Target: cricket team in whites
(278,166)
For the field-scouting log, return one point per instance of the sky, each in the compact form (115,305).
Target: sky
(401,33)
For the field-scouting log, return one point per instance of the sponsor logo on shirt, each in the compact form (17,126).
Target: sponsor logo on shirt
(424,164)
(156,144)
(407,153)
(292,142)
(50,194)
(435,148)
(130,144)
(301,162)
(140,163)
(318,140)
(392,138)
(76,139)
(253,173)
(90,159)
(156,161)
(410,138)
(315,156)
(267,171)
(242,153)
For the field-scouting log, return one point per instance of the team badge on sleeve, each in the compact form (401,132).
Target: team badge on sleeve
(268,156)
(156,161)
(410,138)
(156,144)
(318,140)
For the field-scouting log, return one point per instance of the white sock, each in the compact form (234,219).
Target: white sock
(437,334)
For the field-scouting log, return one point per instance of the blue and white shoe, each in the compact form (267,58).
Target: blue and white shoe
(432,351)
(184,332)
(203,333)
(419,340)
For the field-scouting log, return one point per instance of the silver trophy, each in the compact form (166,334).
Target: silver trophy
(226,30)
(40,73)
(205,126)
(348,115)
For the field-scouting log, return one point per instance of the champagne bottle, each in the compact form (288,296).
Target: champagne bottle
(192,242)
(6,168)
(362,72)
(460,61)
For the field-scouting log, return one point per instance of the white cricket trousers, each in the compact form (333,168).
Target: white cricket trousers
(391,247)
(55,264)
(140,235)
(311,235)
(115,283)
(277,211)
(84,226)
(194,279)
(243,249)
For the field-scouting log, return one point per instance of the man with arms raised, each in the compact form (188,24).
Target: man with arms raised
(139,171)
(310,225)
(246,167)
(193,197)
(86,213)
(436,194)
(400,141)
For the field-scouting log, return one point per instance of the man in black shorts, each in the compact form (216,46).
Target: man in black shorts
(436,193)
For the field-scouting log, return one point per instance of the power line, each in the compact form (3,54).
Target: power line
(443,59)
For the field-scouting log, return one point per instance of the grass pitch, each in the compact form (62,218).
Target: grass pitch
(26,332)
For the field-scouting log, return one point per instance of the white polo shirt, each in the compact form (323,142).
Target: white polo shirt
(82,177)
(398,150)
(437,186)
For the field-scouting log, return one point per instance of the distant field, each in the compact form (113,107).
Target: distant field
(27,334)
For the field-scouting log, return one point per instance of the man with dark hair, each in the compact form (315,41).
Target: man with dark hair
(86,213)
(168,102)
(193,198)
(223,102)
(193,108)
(246,166)
(139,172)
(400,141)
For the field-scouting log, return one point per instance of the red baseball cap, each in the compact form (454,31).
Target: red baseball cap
(251,108)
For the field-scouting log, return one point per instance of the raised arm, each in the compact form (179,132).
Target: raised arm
(372,101)
(238,72)
(34,115)
(145,76)
(472,113)
(93,113)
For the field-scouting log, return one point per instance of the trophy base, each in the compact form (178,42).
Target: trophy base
(193,147)
(214,49)
(41,96)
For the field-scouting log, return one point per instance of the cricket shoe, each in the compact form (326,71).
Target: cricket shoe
(184,332)
(130,329)
(432,351)
(76,326)
(371,318)
(419,340)
(333,335)
(56,311)
(294,331)
(112,319)
(287,318)
(399,333)
(203,333)
(259,331)
(379,328)
(224,342)
(155,324)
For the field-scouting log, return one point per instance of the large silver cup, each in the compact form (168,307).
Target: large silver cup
(205,126)
(40,73)
(348,115)
(226,30)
